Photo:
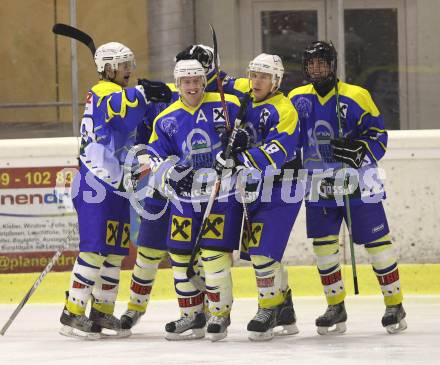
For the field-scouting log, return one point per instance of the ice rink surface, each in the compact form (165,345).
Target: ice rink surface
(33,338)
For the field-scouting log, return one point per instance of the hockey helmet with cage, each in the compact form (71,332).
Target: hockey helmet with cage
(189,68)
(113,53)
(270,64)
(321,50)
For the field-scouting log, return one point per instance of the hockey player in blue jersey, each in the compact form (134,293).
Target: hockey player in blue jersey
(185,141)
(153,228)
(361,145)
(111,116)
(151,241)
(271,124)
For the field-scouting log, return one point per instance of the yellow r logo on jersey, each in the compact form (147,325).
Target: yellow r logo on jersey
(112,233)
(125,242)
(255,236)
(215,225)
(181,228)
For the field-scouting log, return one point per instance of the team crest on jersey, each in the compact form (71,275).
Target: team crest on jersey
(198,145)
(169,126)
(218,115)
(264,116)
(320,137)
(343,109)
(303,107)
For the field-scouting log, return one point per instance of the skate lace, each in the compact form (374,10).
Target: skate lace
(111,319)
(84,320)
(183,322)
(263,314)
(131,313)
(217,320)
(392,310)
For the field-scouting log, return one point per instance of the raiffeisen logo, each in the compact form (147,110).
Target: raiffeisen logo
(52,197)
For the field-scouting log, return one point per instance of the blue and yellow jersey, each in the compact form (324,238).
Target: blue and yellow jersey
(108,129)
(191,133)
(273,125)
(360,118)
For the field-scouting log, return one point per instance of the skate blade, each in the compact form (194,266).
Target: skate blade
(337,329)
(214,337)
(397,328)
(286,330)
(192,334)
(78,334)
(107,333)
(261,336)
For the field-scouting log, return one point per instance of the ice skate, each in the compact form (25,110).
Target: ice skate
(394,319)
(130,318)
(332,322)
(261,327)
(78,326)
(108,322)
(286,317)
(217,328)
(186,328)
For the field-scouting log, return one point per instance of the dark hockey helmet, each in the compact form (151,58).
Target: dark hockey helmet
(325,51)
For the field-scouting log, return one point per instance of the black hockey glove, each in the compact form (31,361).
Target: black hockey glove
(352,152)
(241,143)
(180,179)
(199,53)
(231,165)
(155,91)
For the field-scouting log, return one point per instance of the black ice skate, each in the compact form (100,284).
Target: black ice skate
(186,328)
(217,328)
(108,322)
(78,326)
(394,319)
(335,316)
(130,318)
(261,326)
(286,317)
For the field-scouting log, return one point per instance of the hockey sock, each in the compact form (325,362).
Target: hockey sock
(269,274)
(201,273)
(384,265)
(190,299)
(284,279)
(142,278)
(106,287)
(84,275)
(218,279)
(327,252)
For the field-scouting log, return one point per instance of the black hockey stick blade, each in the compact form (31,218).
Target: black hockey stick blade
(79,35)
(215,47)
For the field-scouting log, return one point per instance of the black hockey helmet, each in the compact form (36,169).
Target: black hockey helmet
(324,51)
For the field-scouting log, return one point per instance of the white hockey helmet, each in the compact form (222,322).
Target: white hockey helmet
(270,64)
(113,53)
(189,68)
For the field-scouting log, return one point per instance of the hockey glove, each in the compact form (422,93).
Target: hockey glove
(199,53)
(351,152)
(241,143)
(155,91)
(180,179)
(227,167)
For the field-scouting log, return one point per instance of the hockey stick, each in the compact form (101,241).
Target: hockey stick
(228,125)
(346,195)
(31,291)
(79,35)
(190,272)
